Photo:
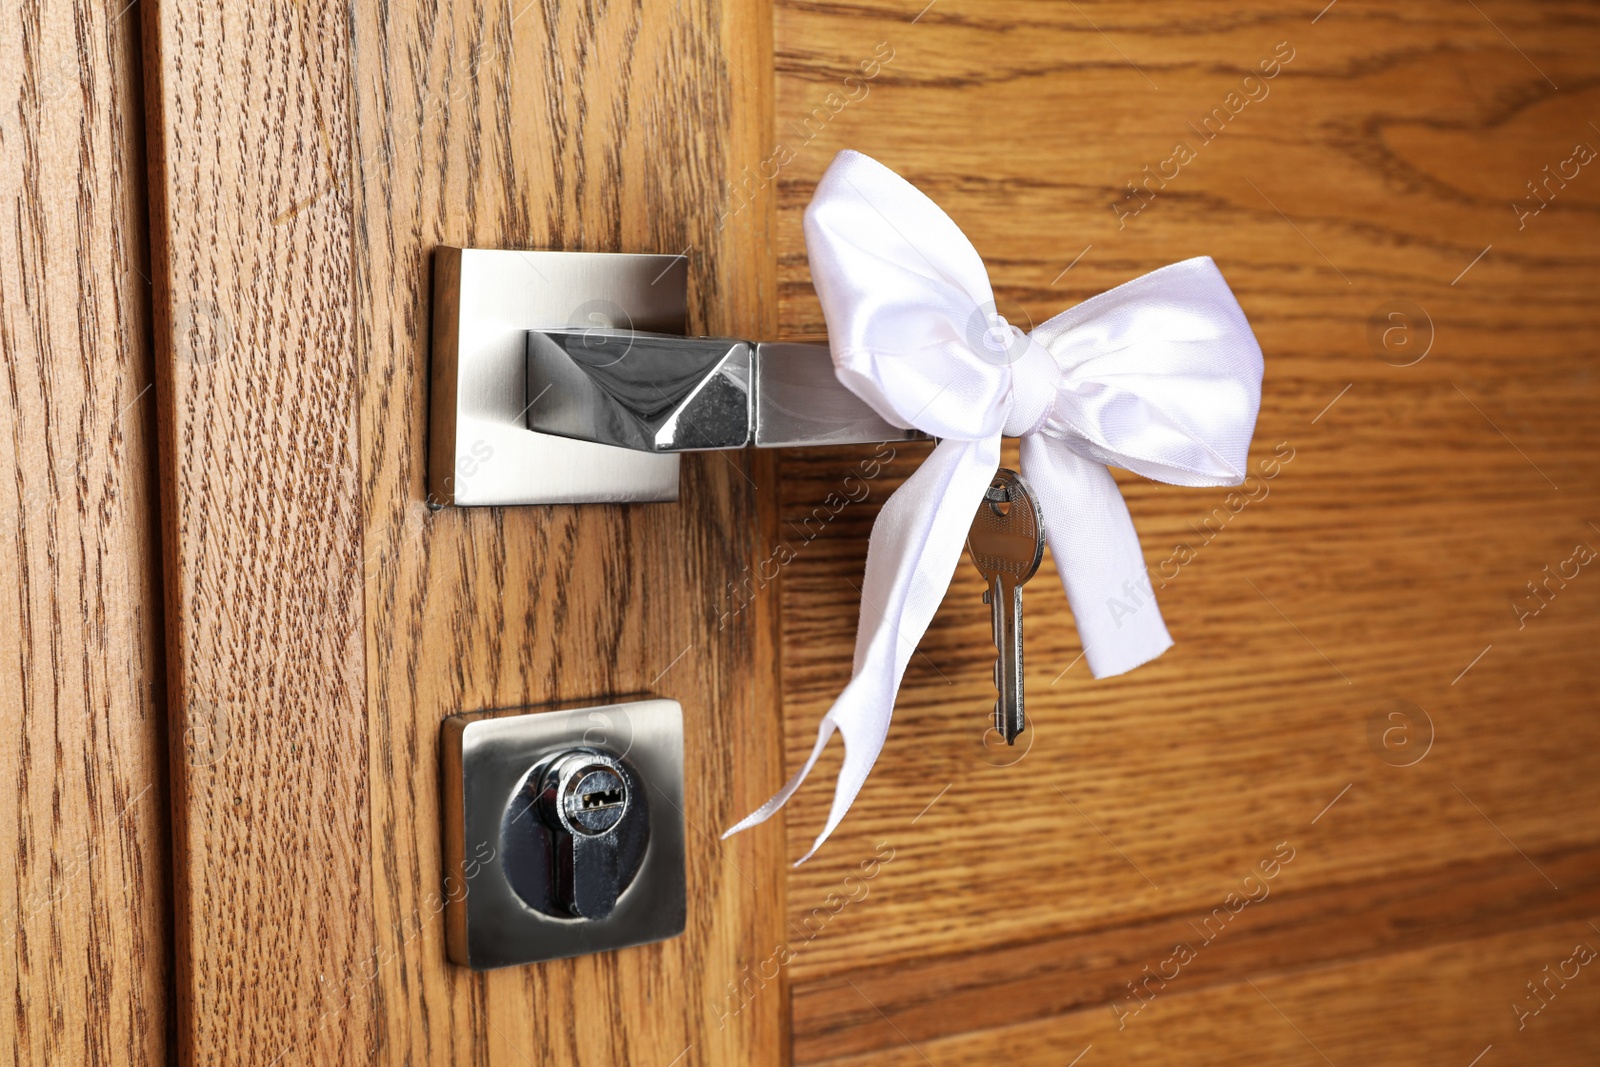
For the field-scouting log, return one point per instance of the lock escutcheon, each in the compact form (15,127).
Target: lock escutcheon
(598,866)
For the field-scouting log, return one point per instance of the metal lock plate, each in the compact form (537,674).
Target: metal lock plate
(564,832)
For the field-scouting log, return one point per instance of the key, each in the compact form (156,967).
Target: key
(1007,543)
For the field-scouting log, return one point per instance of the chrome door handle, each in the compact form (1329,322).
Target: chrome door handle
(661,393)
(566,378)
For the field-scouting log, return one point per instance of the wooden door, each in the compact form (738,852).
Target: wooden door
(309,161)
(1364,679)
(1349,818)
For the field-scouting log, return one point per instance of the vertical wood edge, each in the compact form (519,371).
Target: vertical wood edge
(161,355)
(326,1020)
(754,309)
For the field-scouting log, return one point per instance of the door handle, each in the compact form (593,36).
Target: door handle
(660,393)
(567,378)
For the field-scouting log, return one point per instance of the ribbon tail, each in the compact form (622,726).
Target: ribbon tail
(916,544)
(1097,554)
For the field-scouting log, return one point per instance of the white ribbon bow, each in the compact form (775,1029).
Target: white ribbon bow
(1161,376)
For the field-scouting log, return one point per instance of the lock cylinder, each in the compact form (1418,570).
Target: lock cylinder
(583,793)
(577,834)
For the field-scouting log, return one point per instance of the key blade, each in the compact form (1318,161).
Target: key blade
(1010,718)
(1016,720)
(996,598)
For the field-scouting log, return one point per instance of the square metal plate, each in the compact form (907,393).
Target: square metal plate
(486,758)
(480,451)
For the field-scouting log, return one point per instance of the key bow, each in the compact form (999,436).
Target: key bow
(1160,375)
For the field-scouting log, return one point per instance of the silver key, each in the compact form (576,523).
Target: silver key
(1007,542)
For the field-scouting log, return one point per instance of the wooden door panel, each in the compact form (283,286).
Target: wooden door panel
(882,1007)
(559,127)
(84,954)
(1448,1004)
(310,165)
(1192,797)
(1377,556)
(257,362)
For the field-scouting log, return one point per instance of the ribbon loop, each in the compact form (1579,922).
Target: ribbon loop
(1160,375)
(1032,400)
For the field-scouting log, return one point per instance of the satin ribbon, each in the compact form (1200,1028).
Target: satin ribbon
(1161,376)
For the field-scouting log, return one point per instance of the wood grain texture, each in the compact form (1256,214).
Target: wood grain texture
(256,340)
(563,126)
(84,925)
(324,621)
(1408,509)
(941,996)
(1447,1004)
